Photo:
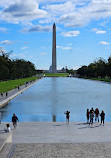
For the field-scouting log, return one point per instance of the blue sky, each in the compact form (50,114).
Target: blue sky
(83,31)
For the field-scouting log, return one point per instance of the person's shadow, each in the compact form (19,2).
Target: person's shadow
(89,126)
(2,131)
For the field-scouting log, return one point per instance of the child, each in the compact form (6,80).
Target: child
(8,129)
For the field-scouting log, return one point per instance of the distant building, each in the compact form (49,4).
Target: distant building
(50,69)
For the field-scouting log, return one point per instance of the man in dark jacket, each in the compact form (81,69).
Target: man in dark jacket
(102,117)
(14,120)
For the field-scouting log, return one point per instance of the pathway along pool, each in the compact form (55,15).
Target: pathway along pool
(48,99)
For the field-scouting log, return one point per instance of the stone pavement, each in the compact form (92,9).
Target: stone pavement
(58,132)
(87,150)
(56,139)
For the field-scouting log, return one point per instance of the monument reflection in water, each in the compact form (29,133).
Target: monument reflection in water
(47,100)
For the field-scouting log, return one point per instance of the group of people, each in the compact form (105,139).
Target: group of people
(90,116)
(95,113)
(14,121)
(6,94)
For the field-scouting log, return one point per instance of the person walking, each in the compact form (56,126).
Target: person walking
(102,117)
(1,94)
(14,120)
(0,117)
(87,115)
(67,116)
(6,94)
(18,87)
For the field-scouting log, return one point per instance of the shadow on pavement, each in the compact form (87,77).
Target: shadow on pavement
(90,126)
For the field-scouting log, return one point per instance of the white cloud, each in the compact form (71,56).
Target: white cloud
(59,9)
(4,3)
(59,46)
(31,56)
(4,30)
(63,47)
(69,44)
(95,10)
(25,47)
(66,48)
(99,31)
(38,28)
(2,47)
(21,55)
(104,43)
(18,55)
(76,67)
(43,53)
(6,42)
(20,11)
(70,33)
(72,13)
(13,55)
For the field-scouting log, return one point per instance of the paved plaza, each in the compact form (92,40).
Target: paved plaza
(88,150)
(49,140)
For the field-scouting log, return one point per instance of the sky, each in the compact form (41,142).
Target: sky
(83,31)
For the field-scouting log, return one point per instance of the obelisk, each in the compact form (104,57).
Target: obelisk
(54,67)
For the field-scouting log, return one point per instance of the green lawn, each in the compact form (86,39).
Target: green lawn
(99,79)
(56,74)
(11,84)
(102,79)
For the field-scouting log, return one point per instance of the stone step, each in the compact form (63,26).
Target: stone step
(6,151)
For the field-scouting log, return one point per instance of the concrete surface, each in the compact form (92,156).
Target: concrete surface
(53,139)
(75,132)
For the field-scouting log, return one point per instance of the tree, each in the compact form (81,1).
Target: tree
(82,71)
(108,67)
(96,69)
(13,69)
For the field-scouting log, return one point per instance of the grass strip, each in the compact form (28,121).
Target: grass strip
(11,84)
(99,79)
(102,79)
(56,74)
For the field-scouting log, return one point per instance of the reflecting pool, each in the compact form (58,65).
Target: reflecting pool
(49,98)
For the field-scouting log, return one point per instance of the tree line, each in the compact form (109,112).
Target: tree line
(14,69)
(100,68)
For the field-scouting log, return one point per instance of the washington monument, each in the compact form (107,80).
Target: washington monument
(54,67)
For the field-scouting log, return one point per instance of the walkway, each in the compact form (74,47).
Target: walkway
(13,93)
(49,140)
